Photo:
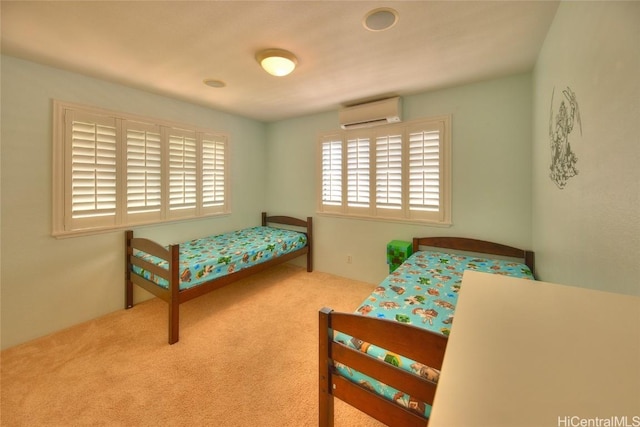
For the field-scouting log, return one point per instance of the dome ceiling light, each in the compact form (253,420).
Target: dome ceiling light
(277,62)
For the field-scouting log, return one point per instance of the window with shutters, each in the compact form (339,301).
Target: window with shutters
(396,172)
(214,172)
(182,173)
(92,175)
(114,170)
(358,172)
(331,179)
(144,170)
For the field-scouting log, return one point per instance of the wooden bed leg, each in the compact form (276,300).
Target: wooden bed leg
(174,300)
(128,285)
(529,260)
(325,416)
(174,322)
(310,243)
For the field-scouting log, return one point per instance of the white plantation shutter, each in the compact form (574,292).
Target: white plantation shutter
(398,172)
(389,172)
(113,170)
(331,172)
(93,174)
(214,181)
(358,172)
(143,170)
(424,171)
(182,172)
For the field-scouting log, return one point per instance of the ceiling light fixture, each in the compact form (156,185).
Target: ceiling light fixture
(277,62)
(380,19)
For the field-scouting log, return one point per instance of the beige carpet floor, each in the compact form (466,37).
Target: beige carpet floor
(247,356)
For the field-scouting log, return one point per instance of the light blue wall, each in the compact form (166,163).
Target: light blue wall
(491,175)
(588,233)
(50,284)
(501,189)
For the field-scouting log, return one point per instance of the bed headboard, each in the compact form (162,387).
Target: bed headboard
(480,246)
(287,220)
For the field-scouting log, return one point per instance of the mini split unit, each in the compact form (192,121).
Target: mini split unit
(371,114)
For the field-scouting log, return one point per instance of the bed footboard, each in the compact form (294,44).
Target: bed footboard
(392,336)
(171,294)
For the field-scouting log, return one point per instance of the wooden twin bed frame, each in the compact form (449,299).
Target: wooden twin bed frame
(395,337)
(173,295)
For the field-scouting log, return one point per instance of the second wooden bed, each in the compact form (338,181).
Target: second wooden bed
(385,358)
(158,269)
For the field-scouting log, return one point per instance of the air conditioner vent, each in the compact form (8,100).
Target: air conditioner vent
(371,114)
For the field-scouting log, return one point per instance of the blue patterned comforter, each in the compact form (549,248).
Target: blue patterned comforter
(422,292)
(211,257)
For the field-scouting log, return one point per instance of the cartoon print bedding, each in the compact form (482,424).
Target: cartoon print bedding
(211,257)
(423,292)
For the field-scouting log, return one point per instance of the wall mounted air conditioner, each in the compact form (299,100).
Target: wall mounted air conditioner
(371,114)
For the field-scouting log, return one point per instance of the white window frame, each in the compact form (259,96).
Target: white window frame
(141,173)
(415,185)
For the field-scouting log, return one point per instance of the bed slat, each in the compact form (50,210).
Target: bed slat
(146,265)
(393,336)
(151,287)
(413,385)
(379,408)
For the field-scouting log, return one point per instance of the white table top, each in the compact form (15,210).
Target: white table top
(524,353)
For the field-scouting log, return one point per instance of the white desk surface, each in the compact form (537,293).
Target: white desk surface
(525,353)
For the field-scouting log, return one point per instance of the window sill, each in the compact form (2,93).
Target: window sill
(391,220)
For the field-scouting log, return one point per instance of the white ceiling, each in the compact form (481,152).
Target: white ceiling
(171,47)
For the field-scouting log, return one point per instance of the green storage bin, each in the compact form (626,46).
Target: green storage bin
(397,252)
